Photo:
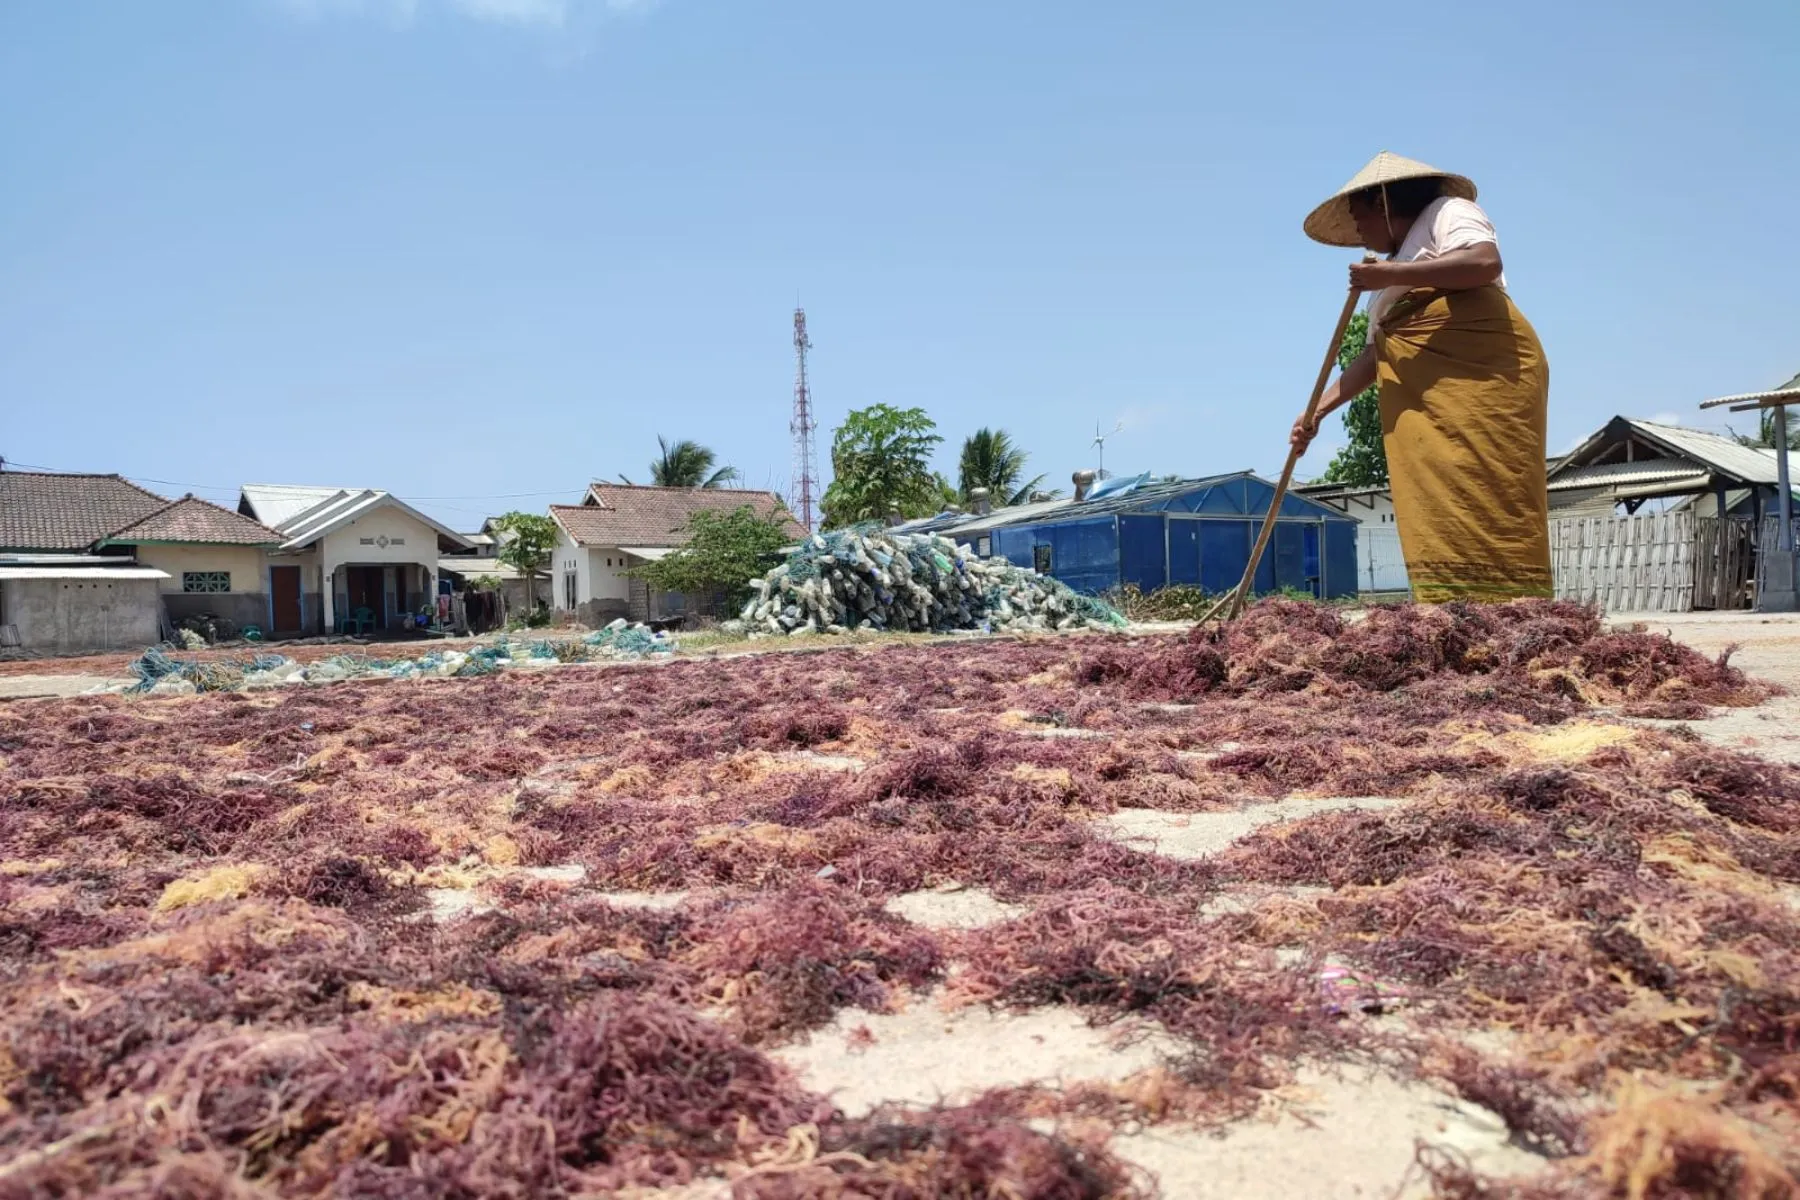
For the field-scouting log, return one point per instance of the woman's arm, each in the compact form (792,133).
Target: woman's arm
(1352,383)
(1471,267)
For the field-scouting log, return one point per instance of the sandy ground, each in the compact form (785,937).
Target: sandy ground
(923,1055)
(1768,648)
(1201,835)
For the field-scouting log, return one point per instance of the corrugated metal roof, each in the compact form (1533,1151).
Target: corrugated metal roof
(275,504)
(1147,498)
(1790,388)
(82,573)
(967,523)
(313,512)
(1649,470)
(474,565)
(1746,463)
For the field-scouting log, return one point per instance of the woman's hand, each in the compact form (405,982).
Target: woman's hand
(1373,276)
(1303,433)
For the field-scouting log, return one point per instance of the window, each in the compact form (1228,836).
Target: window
(206,581)
(1040,559)
(569,590)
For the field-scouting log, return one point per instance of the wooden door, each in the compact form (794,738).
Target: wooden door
(284,591)
(365,589)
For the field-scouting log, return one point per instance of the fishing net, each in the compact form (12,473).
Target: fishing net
(868,577)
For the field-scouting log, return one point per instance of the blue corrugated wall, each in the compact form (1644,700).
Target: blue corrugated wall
(1143,552)
(1153,550)
(1340,559)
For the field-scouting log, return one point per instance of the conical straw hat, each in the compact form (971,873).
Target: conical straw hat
(1332,223)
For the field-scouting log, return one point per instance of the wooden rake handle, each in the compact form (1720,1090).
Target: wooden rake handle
(1232,603)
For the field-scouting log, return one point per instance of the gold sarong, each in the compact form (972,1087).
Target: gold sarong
(1464,388)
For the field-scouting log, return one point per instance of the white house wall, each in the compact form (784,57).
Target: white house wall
(565,558)
(385,537)
(606,574)
(1380,567)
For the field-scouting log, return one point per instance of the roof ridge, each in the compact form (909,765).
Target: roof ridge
(90,475)
(275,535)
(663,487)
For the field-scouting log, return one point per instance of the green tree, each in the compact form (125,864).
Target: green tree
(880,460)
(991,460)
(1765,432)
(526,543)
(1363,462)
(723,552)
(687,464)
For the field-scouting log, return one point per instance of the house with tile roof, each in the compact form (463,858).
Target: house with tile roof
(216,561)
(95,562)
(45,513)
(618,526)
(347,557)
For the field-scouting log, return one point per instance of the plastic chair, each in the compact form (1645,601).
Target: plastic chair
(363,619)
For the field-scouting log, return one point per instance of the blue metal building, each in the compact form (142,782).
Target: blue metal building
(1190,531)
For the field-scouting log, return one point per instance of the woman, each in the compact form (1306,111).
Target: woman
(1464,384)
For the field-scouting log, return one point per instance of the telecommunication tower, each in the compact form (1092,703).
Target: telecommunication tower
(805,470)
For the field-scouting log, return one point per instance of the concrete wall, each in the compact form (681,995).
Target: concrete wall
(596,613)
(606,574)
(245,563)
(358,544)
(246,604)
(79,616)
(240,608)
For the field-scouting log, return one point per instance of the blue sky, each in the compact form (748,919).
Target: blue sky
(480,251)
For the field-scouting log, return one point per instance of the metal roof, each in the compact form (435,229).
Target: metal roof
(1682,449)
(47,572)
(473,565)
(309,513)
(1789,389)
(1748,463)
(1646,470)
(1146,498)
(275,504)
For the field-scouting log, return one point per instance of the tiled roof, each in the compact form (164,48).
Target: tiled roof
(191,519)
(42,511)
(623,515)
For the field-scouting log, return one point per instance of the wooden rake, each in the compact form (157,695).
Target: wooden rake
(1232,603)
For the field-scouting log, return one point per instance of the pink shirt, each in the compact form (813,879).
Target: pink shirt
(1446,224)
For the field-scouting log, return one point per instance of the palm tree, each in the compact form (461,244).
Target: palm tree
(991,461)
(687,464)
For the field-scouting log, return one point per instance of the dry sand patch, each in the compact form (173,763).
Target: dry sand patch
(1202,835)
(953,907)
(923,1055)
(1348,1135)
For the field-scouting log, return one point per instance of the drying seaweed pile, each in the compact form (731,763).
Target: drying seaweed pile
(384,942)
(164,674)
(871,578)
(1553,657)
